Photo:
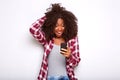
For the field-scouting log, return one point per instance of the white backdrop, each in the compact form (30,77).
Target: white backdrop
(99,38)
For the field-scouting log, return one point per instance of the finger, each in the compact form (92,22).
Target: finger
(65,55)
(62,52)
(64,49)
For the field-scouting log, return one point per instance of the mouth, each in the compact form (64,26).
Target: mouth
(59,33)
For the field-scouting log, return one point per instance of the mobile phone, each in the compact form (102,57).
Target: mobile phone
(64,45)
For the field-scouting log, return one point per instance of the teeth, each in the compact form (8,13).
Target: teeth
(59,32)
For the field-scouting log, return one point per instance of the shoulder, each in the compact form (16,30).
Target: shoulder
(73,42)
(73,39)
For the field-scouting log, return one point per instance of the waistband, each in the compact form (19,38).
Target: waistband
(58,78)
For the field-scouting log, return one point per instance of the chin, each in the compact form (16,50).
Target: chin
(58,36)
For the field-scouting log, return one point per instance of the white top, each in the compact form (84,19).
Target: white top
(56,62)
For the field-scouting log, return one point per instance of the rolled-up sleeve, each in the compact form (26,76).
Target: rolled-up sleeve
(74,59)
(35,30)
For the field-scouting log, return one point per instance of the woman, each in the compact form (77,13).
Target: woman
(56,27)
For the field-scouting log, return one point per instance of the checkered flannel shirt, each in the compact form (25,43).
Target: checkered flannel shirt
(71,62)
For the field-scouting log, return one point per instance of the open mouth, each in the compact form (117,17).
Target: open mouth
(59,33)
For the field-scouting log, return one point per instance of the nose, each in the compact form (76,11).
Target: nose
(59,28)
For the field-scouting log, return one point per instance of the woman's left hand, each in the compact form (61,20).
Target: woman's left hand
(65,52)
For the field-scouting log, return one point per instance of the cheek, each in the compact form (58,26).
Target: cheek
(63,28)
(55,30)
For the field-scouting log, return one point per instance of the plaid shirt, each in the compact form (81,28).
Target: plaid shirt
(71,62)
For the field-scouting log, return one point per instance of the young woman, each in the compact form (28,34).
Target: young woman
(57,26)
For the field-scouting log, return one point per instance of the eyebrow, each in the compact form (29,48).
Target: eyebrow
(60,24)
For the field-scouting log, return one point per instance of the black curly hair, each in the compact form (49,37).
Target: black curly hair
(52,15)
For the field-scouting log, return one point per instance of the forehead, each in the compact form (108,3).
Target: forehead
(60,21)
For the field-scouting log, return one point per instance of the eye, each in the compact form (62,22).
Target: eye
(62,25)
(56,25)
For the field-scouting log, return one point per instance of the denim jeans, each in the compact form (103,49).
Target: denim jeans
(58,78)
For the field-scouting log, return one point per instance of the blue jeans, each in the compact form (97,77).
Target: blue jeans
(58,78)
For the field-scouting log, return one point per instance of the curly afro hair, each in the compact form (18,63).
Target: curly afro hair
(52,15)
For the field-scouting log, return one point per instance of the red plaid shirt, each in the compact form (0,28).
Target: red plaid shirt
(71,62)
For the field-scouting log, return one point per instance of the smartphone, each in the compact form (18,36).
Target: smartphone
(64,45)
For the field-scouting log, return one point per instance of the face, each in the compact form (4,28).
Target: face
(59,29)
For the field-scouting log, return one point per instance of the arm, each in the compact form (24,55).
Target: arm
(36,32)
(74,58)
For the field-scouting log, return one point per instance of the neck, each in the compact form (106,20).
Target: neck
(58,41)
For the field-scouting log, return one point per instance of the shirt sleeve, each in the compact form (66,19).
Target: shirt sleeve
(36,31)
(74,59)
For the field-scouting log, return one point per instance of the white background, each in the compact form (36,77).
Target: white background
(99,38)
